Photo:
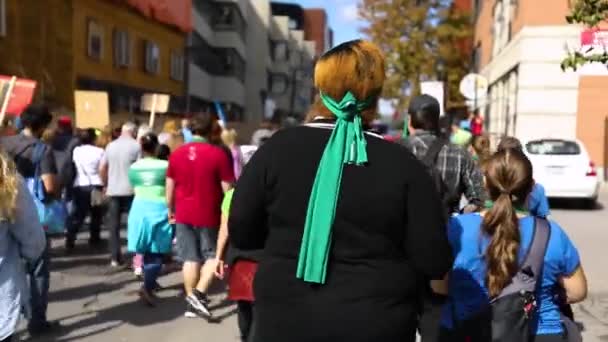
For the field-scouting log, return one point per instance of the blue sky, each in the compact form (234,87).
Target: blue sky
(342,17)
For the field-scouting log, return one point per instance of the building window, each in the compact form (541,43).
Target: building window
(216,61)
(122,48)
(94,40)
(228,17)
(3,17)
(177,66)
(501,27)
(280,51)
(152,56)
(232,63)
(278,83)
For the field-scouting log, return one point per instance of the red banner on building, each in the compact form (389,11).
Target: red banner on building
(21,95)
(177,13)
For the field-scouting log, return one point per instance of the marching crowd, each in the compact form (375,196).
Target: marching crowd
(349,237)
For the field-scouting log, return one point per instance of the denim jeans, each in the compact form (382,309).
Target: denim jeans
(39,277)
(153,264)
(117,206)
(81,207)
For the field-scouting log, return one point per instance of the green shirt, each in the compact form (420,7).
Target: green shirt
(148,176)
(226,202)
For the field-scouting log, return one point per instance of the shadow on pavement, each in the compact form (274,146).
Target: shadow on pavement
(133,313)
(87,290)
(575,205)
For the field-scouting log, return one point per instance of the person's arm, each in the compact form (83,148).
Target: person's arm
(472,179)
(573,280)
(441,286)
(48,173)
(247,221)
(426,240)
(575,286)
(103,169)
(170,195)
(28,233)
(226,171)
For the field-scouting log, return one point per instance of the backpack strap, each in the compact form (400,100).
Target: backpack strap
(533,262)
(536,255)
(430,158)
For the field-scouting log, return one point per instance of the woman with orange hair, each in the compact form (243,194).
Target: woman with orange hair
(348,222)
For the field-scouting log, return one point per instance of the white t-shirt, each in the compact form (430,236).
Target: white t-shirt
(87,159)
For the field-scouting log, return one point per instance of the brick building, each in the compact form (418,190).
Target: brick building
(316,28)
(519,46)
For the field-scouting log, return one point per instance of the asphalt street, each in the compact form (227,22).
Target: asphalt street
(96,304)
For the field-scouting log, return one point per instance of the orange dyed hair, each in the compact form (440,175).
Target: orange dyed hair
(357,66)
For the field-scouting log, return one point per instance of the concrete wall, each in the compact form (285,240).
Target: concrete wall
(545,97)
(258,59)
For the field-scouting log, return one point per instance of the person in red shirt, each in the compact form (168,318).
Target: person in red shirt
(198,175)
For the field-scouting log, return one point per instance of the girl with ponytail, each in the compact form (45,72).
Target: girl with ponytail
(490,246)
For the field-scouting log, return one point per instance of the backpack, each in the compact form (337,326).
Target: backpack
(430,162)
(509,317)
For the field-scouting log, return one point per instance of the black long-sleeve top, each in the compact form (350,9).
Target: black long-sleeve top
(387,236)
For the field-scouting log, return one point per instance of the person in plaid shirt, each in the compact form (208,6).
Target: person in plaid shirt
(459,172)
(460,175)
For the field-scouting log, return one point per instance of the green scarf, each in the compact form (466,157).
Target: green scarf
(406,129)
(522,211)
(199,139)
(346,145)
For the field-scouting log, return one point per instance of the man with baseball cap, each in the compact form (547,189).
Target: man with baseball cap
(460,176)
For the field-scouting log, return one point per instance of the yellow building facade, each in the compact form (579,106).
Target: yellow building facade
(100,45)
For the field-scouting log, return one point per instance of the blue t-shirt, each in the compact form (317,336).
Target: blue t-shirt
(538,204)
(467,290)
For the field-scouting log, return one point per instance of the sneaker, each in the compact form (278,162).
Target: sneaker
(201,296)
(115,264)
(138,272)
(199,306)
(146,297)
(190,312)
(45,328)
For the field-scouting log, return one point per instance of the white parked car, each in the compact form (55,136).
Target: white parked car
(565,170)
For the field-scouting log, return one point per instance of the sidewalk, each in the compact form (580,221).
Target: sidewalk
(96,304)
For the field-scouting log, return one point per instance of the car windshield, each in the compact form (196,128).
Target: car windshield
(553,147)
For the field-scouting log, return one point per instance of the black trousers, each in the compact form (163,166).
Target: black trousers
(118,205)
(429,318)
(81,197)
(245,319)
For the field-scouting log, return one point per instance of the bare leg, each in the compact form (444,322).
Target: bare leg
(192,273)
(207,275)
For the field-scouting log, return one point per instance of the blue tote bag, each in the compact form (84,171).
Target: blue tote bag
(52,213)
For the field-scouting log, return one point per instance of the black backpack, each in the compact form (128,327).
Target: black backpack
(430,162)
(509,317)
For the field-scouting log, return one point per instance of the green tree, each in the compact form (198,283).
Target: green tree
(454,35)
(589,13)
(422,40)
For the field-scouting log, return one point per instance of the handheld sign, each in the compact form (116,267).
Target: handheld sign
(18,97)
(6,91)
(92,109)
(220,113)
(154,103)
